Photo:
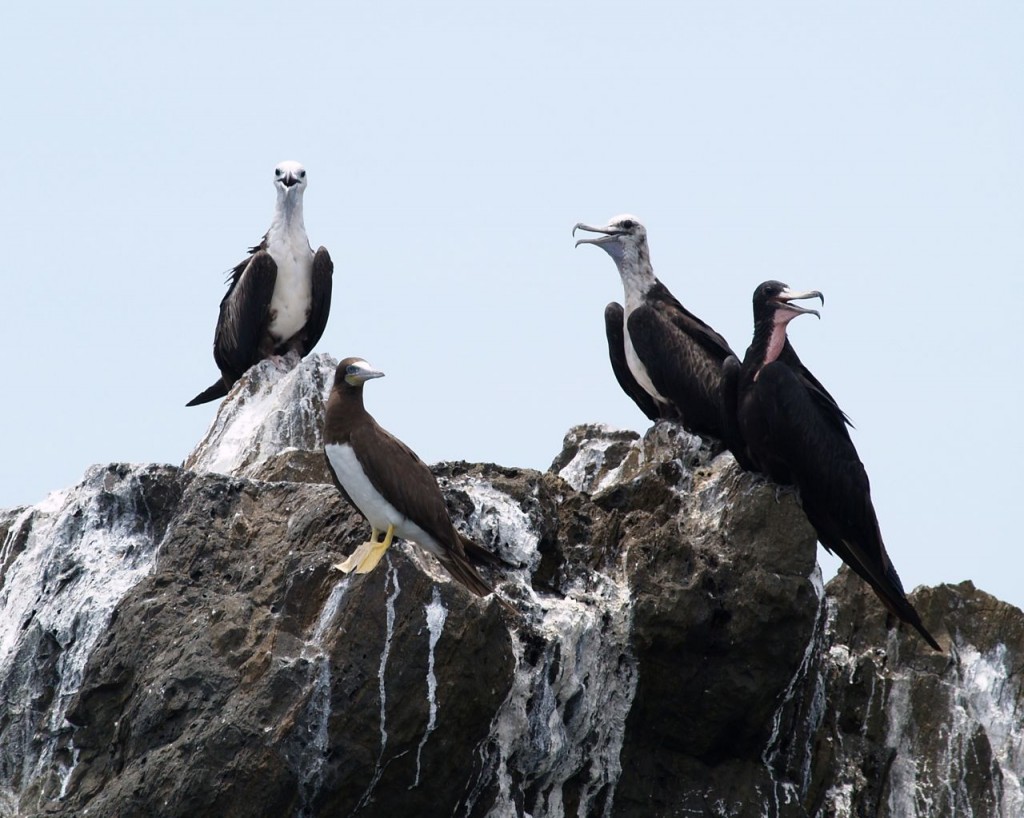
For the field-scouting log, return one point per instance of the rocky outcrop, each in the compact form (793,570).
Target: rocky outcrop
(174,642)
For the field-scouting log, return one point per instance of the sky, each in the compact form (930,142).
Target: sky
(869,150)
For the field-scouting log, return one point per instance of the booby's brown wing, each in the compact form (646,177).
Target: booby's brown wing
(613,329)
(243,315)
(320,301)
(404,480)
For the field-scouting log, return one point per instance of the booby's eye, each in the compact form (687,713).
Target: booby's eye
(302,174)
(278,172)
(628,224)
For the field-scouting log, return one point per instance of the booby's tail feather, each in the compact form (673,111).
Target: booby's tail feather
(460,568)
(477,553)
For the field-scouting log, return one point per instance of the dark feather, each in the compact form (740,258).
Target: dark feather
(320,302)
(797,434)
(683,357)
(617,352)
(243,317)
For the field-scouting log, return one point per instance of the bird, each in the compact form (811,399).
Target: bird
(389,484)
(278,298)
(664,357)
(796,434)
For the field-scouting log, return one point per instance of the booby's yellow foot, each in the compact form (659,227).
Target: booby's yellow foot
(365,558)
(355,558)
(375,552)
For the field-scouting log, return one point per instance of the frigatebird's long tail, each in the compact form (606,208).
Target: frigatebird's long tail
(218,390)
(887,587)
(896,601)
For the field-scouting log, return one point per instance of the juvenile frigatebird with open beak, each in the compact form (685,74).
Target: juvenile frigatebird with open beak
(796,434)
(663,356)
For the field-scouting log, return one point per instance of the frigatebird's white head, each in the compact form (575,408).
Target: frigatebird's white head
(290,178)
(624,239)
(355,372)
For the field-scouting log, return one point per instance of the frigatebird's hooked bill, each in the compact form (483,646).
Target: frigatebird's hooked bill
(279,298)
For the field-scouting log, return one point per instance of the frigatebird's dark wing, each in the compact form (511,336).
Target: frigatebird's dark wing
(237,337)
(683,357)
(244,313)
(732,437)
(613,328)
(821,395)
(834,488)
(320,302)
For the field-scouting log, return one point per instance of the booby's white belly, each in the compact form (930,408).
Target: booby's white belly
(293,289)
(636,366)
(373,505)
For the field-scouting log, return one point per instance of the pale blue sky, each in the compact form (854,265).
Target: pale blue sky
(870,150)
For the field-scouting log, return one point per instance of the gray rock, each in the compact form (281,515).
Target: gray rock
(174,642)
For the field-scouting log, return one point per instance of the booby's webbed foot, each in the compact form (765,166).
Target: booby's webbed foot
(365,558)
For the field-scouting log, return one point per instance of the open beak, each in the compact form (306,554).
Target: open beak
(610,234)
(787,297)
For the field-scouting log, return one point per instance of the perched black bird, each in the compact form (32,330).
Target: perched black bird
(279,297)
(392,488)
(663,356)
(796,434)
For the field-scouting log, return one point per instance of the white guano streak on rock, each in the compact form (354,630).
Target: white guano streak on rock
(982,692)
(436,616)
(501,521)
(268,411)
(79,560)
(814,716)
(577,697)
(392,576)
(988,694)
(318,709)
(588,462)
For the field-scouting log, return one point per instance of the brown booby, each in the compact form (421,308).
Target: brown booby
(663,356)
(279,298)
(796,434)
(392,488)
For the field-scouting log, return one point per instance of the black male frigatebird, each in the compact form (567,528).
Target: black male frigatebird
(796,434)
